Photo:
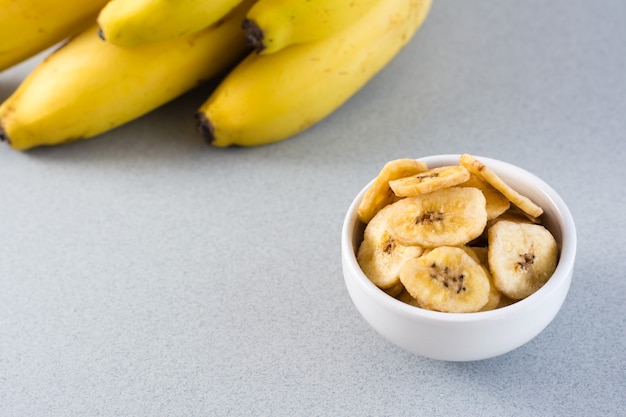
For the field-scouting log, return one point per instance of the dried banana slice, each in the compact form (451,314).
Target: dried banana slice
(497,203)
(506,301)
(481,170)
(379,194)
(446,279)
(480,255)
(407,298)
(448,217)
(431,180)
(380,256)
(513,215)
(522,257)
(495,296)
(395,290)
(520,215)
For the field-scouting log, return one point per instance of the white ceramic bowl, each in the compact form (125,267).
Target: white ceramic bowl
(466,336)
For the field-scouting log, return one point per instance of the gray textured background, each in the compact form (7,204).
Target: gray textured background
(143,273)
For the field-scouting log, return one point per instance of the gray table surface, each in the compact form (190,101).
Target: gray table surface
(143,273)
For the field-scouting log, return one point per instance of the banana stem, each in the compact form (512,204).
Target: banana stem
(254,34)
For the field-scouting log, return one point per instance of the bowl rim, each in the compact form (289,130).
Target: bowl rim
(563,271)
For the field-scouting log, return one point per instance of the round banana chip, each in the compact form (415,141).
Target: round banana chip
(407,298)
(481,170)
(522,257)
(396,290)
(446,279)
(379,194)
(448,217)
(431,180)
(497,203)
(479,254)
(380,256)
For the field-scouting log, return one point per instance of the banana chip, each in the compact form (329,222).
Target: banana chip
(497,203)
(380,256)
(479,254)
(448,217)
(431,180)
(481,170)
(522,257)
(407,298)
(379,194)
(446,279)
(395,291)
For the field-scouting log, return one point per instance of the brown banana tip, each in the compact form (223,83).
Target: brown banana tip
(101,34)
(4,137)
(205,127)
(254,34)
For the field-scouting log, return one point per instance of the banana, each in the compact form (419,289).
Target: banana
(380,256)
(446,279)
(479,169)
(272,25)
(379,195)
(431,180)
(90,86)
(28,27)
(129,23)
(448,217)
(268,98)
(522,257)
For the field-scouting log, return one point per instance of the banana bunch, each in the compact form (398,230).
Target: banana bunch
(285,64)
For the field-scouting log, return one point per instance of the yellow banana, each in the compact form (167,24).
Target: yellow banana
(271,25)
(89,86)
(268,98)
(28,27)
(129,23)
